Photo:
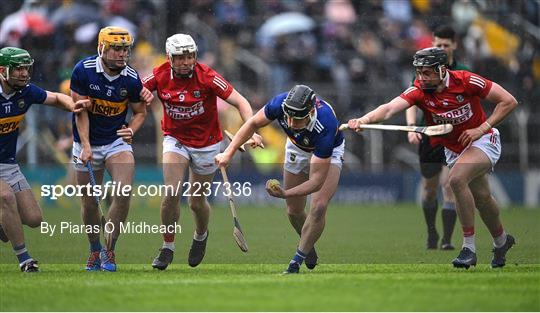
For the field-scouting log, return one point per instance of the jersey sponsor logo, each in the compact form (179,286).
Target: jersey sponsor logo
(10,124)
(454,117)
(108,108)
(94,87)
(184,113)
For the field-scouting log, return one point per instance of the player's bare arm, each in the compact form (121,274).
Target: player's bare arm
(65,102)
(505,103)
(139,114)
(410,118)
(83,128)
(318,171)
(244,133)
(381,113)
(244,108)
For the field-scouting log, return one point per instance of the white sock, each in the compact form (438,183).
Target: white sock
(200,237)
(500,240)
(168,245)
(468,242)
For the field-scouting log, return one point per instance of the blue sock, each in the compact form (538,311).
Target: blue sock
(95,245)
(22,253)
(299,257)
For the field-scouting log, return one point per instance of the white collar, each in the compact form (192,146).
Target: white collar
(99,69)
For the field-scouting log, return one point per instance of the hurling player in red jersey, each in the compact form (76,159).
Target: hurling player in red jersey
(188,91)
(473,147)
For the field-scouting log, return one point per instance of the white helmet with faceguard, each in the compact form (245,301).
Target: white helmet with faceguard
(180,44)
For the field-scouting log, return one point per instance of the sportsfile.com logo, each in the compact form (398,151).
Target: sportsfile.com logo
(184,189)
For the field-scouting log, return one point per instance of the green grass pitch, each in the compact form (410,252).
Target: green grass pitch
(372,258)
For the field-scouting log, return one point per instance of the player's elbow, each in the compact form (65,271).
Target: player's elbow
(512,102)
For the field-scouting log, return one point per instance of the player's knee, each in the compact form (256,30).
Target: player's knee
(430,194)
(295,211)
(8,200)
(33,220)
(447,189)
(196,205)
(318,211)
(457,182)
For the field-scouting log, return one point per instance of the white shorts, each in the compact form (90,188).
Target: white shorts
(201,160)
(99,154)
(297,160)
(489,143)
(12,175)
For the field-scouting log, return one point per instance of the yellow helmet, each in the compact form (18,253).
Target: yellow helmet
(113,36)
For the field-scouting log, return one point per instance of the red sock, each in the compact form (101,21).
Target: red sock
(468,231)
(497,232)
(168,237)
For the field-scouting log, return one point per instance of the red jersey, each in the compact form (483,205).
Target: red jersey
(190,104)
(458,104)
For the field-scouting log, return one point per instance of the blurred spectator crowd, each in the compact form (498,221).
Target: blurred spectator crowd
(355,54)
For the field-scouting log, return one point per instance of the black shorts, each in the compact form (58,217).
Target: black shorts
(432,159)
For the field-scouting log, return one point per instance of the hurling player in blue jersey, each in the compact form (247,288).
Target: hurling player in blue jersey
(18,205)
(313,160)
(101,134)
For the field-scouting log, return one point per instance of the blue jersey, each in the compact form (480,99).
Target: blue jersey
(12,110)
(321,135)
(110,97)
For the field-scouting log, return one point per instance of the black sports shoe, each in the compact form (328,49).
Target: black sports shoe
(432,240)
(499,254)
(447,246)
(30,266)
(163,259)
(197,251)
(294,268)
(3,235)
(311,259)
(465,259)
